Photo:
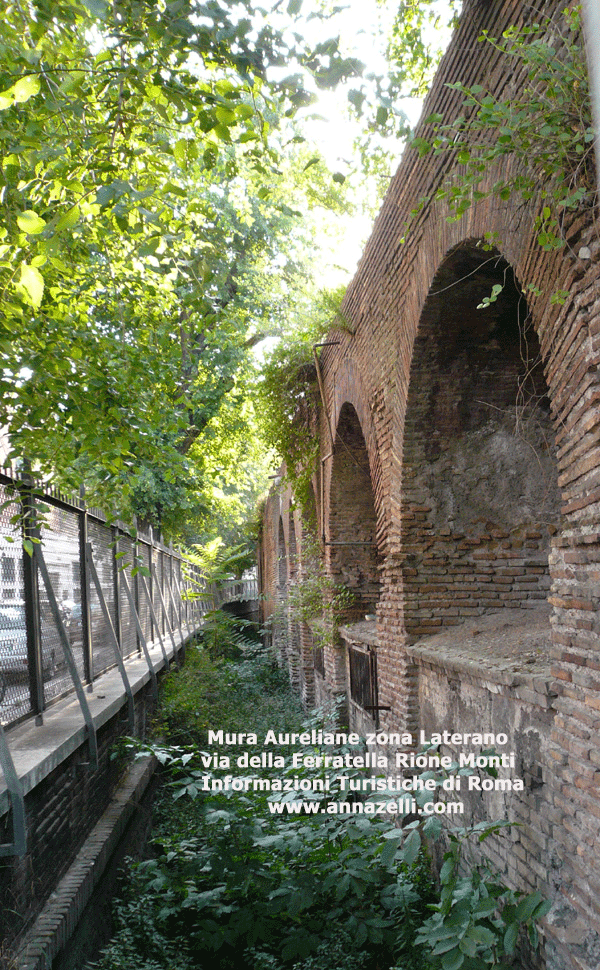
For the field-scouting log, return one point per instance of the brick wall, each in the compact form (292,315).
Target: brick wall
(481,434)
(60,812)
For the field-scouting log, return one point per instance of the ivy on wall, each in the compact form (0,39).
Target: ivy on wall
(544,121)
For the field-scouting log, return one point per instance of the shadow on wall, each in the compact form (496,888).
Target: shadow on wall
(480,494)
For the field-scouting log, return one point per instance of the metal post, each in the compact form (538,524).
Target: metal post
(32,601)
(109,624)
(186,611)
(15,789)
(117,588)
(175,654)
(150,568)
(84,585)
(140,633)
(146,591)
(135,565)
(68,654)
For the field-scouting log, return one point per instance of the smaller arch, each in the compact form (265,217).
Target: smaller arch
(352,554)
(293,629)
(293,549)
(282,560)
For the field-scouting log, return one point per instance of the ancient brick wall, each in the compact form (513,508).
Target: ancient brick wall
(479,429)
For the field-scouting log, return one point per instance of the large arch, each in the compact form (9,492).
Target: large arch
(480,497)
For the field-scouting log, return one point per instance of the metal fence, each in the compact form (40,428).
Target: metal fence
(78,593)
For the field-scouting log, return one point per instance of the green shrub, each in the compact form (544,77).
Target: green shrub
(236,886)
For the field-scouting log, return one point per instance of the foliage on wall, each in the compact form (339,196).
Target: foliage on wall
(542,119)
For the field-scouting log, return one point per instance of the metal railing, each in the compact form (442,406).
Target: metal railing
(78,594)
(240,590)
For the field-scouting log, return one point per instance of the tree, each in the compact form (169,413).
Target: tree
(136,173)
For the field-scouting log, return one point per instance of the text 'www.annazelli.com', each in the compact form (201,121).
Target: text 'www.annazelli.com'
(365,808)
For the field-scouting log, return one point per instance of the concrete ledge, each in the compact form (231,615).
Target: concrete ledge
(38,749)
(360,634)
(57,922)
(509,648)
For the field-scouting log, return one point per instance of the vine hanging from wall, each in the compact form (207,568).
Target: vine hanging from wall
(544,122)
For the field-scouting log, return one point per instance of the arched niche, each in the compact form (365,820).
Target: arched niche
(293,557)
(282,577)
(351,542)
(479,483)
(294,639)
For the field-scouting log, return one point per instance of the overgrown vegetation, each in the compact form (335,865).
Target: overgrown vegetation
(315,597)
(289,398)
(235,885)
(544,122)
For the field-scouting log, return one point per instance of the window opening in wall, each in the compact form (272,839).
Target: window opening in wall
(363,680)
(479,487)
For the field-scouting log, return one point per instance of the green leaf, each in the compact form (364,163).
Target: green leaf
(25,88)
(33,283)
(411,847)
(483,935)
(528,905)
(30,222)
(453,960)
(447,870)
(244,111)
(388,852)
(69,219)
(226,116)
(180,150)
(510,938)
(99,9)
(313,161)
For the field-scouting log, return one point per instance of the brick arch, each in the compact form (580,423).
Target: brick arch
(349,388)
(479,479)
(282,559)
(351,523)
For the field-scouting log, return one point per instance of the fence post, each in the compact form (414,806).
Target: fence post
(156,616)
(117,588)
(32,600)
(135,549)
(84,586)
(150,578)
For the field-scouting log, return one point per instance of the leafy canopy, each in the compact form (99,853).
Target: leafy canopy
(137,162)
